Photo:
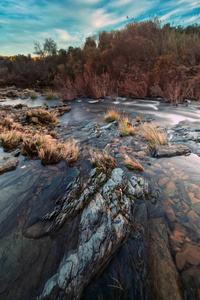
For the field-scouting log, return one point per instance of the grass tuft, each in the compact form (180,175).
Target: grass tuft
(103,161)
(112,115)
(125,127)
(138,119)
(43,116)
(50,95)
(11,139)
(131,165)
(153,136)
(33,95)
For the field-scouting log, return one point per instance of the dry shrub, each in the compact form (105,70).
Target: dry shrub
(125,127)
(112,115)
(43,116)
(11,139)
(104,162)
(154,136)
(131,165)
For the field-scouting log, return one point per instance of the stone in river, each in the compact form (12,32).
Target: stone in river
(189,253)
(168,151)
(163,181)
(9,165)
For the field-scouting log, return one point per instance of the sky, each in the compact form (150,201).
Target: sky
(69,22)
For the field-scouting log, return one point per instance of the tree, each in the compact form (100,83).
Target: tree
(49,48)
(90,42)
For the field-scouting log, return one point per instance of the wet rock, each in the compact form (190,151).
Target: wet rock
(189,253)
(104,224)
(11,94)
(164,272)
(170,214)
(163,181)
(168,151)
(63,109)
(9,165)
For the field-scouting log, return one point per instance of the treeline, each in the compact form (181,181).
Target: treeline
(143,59)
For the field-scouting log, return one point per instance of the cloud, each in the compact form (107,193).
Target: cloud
(69,22)
(64,36)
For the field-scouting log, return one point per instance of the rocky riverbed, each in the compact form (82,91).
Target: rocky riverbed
(83,233)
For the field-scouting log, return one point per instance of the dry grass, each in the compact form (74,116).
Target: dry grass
(154,136)
(70,152)
(112,115)
(43,116)
(11,139)
(31,144)
(125,127)
(103,161)
(49,151)
(138,119)
(54,134)
(50,95)
(131,165)
(8,123)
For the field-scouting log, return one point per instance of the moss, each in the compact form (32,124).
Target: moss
(131,197)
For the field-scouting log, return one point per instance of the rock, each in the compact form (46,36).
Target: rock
(104,224)
(9,165)
(64,109)
(164,272)
(168,151)
(170,214)
(189,253)
(11,94)
(163,181)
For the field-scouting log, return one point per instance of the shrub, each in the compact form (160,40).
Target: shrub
(153,136)
(112,115)
(131,165)
(43,116)
(125,128)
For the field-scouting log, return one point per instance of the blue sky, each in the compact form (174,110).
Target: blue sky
(69,22)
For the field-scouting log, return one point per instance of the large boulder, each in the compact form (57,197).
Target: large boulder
(168,151)
(107,213)
(9,165)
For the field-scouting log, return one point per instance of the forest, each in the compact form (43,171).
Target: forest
(144,59)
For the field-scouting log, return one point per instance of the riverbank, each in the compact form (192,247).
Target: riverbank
(116,234)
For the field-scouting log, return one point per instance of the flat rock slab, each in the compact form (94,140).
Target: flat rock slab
(9,165)
(64,109)
(168,151)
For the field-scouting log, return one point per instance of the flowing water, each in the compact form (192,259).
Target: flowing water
(176,178)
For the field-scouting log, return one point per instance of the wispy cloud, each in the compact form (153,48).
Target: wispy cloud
(69,22)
